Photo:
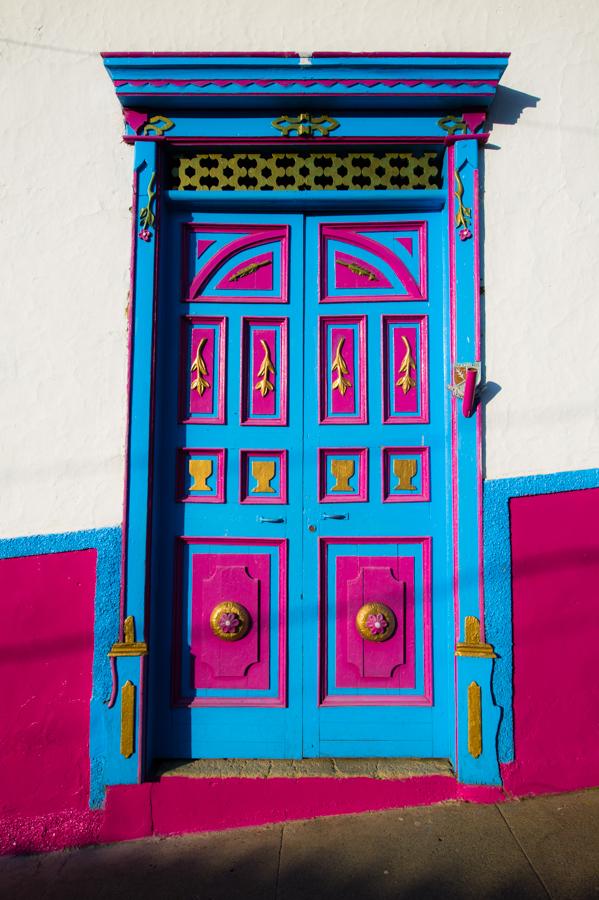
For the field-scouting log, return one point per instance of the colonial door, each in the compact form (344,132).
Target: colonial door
(301,586)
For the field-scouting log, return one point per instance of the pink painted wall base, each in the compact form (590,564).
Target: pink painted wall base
(555,586)
(183,805)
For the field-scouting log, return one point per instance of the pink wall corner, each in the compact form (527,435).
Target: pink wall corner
(127,813)
(555,581)
(46,653)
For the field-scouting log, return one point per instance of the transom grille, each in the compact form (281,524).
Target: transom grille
(306,170)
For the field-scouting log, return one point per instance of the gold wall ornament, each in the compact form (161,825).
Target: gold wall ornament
(230,621)
(129,646)
(200,470)
(463,213)
(340,383)
(127,719)
(266,368)
(305,125)
(472,644)
(453,124)
(249,270)
(306,169)
(342,470)
(404,470)
(358,270)
(147,218)
(475,725)
(198,366)
(405,380)
(376,622)
(158,125)
(263,471)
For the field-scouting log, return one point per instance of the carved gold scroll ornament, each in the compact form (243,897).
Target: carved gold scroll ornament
(339,366)
(200,383)
(266,368)
(405,380)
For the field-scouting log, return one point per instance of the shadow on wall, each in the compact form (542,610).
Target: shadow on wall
(509,105)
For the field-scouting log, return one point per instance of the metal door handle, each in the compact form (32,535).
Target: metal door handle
(267,519)
(334,515)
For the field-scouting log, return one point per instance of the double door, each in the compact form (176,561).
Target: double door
(301,546)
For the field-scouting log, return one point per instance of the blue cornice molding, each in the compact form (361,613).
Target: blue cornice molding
(170,81)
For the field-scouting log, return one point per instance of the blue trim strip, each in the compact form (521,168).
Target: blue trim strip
(498,584)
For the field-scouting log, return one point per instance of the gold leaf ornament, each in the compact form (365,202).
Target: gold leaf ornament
(358,270)
(405,380)
(249,270)
(339,366)
(199,384)
(266,368)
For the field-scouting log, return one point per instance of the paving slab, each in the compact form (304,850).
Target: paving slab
(230,865)
(447,851)
(560,836)
(538,848)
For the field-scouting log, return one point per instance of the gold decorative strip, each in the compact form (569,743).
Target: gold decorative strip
(472,644)
(463,213)
(129,647)
(198,366)
(405,380)
(158,125)
(340,383)
(475,728)
(263,384)
(306,169)
(127,719)
(305,125)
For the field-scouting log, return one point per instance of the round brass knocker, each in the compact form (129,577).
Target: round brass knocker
(376,622)
(230,621)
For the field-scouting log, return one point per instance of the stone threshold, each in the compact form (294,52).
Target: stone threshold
(381,769)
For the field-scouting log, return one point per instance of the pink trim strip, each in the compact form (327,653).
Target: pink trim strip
(252,236)
(324,454)
(390,376)
(381,54)
(326,376)
(204,54)
(348,233)
(424,494)
(245,495)
(306,82)
(183,455)
(479,439)
(187,325)
(248,376)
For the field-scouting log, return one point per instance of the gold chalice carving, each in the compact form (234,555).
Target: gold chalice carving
(230,621)
(200,470)
(264,472)
(376,622)
(342,470)
(404,470)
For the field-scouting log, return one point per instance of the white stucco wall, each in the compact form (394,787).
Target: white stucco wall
(65,192)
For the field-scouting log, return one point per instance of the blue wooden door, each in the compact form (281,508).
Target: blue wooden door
(300,532)
(376,583)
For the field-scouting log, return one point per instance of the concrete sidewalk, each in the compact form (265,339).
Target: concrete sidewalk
(542,847)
